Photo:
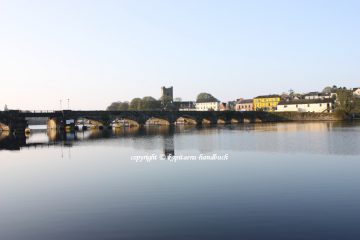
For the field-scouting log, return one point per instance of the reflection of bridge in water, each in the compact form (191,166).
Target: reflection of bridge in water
(54,138)
(315,137)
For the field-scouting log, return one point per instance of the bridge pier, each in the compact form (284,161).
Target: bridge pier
(61,123)
(56,123)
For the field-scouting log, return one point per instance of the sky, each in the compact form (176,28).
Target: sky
(98,52)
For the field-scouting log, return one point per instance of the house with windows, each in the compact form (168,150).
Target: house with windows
(266,102)
(307,105)
(211,104)
(244,105)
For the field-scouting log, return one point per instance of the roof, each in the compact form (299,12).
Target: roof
(268,96)
(305,101)
(184,102)
(312,93)
(316,94)
(245,101)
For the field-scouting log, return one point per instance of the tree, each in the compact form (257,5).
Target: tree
(135,104)
(205,96)
(150,103)
(327,90)
(118,106)
(346,102)
(284,96)
(291,94)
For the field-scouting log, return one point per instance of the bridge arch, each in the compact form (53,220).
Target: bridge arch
(88,122)
(52,124)
(235,120)
(156,121)
(209,120)
(4,127)
(124,123)
(224,119)
(184,119)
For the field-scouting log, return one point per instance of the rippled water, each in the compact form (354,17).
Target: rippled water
(281,181)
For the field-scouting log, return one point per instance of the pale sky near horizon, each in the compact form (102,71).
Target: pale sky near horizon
(97,52)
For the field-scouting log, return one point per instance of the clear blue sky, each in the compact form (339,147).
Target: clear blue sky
(96,52)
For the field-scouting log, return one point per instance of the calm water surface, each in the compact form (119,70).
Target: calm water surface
(281,181)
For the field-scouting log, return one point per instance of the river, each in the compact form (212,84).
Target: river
(249,181)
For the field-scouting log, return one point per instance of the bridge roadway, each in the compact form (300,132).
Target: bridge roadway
(17,120)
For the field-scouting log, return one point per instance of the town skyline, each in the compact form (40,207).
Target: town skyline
(66,103)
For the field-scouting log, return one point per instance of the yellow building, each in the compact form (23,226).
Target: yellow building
(266,103)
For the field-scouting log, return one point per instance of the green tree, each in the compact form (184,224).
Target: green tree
(118,106)
(205,96)
(135,104)
(150,103)
(346,102)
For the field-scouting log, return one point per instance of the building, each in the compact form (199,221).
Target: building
(244,105)
(356,91)
(266,102)
(222,106)
(307,105)
(230,105)
(185,106)
(208,105)
(319,95)
(167,93)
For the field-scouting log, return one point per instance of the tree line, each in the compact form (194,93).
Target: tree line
(136,104)
(150,103)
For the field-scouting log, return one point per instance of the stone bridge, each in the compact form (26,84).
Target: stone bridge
(16,121)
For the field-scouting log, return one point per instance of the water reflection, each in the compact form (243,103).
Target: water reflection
(282,181)
(316,137)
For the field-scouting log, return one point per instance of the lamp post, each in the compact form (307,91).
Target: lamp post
(68,100)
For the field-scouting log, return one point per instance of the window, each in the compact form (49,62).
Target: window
(296,106)
(308,105)
(320,104)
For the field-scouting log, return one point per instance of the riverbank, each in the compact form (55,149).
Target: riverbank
(308,116)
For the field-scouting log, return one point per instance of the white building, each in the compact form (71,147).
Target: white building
(208,105)
(356,92)
(318,95)
(307,105)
